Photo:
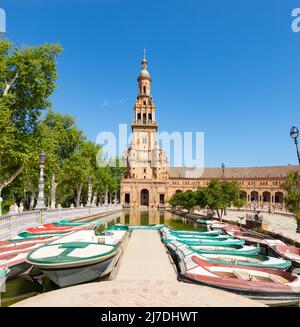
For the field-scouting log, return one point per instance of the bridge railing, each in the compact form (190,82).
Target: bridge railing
(12,224)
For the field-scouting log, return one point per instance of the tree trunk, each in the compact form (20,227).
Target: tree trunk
(219,216)
(0,202)
(9,180)
(94,198)
(298,222)
(53,192)
(79,189)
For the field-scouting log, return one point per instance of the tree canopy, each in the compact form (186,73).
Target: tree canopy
(27,80)
(218,195)
(292,199)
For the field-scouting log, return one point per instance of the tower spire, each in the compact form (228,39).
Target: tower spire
(144,53)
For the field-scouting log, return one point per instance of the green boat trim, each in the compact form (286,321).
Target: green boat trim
(196,238)
(118,227)
(70,223)
(27,236)
(232,249)
(208,242)
(221,249)
(263,261)
(66,257)
(208,233)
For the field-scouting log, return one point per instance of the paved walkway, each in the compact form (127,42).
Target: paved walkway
(138,294)
(277,223)
(145,258)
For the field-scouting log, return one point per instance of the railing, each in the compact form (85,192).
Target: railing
(12,224)
(144,122)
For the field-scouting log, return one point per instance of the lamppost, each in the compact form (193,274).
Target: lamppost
(41,197)
(223,177)
(294,133)
(223,171)
(89,192)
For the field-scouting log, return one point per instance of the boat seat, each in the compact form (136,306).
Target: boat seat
(278,279)
(242,275)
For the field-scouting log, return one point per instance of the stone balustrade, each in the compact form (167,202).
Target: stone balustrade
(12,224)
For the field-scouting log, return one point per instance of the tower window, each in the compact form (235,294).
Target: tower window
(144,103)
(144,88)
(144,171)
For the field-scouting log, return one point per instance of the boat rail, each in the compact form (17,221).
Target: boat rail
(12,224)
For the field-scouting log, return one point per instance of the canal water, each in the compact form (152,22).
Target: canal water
(20,288)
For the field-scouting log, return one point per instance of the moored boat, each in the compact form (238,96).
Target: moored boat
(196,237)
(3,274)
(222,249)
(74,223)
(14,263)
(291,253)
(118,227)
(210,242)
(271,286)
(31,236)
(79,257)
(253,238)
(257,260)
(192,232)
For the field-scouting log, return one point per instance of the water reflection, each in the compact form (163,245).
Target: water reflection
(155,217)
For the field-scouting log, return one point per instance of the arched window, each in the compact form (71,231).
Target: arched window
(144,88)
(150,117)
(144,118)
(139,116)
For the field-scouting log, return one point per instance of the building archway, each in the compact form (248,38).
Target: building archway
(279,197)
(243,195)
(254,196)
(145,197)
(178,191)
(266,197)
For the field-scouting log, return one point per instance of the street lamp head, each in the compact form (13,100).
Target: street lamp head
(294,133)
(223,165)
(42,157)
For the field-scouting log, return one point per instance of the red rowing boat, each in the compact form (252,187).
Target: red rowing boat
(271,286)
(291,253)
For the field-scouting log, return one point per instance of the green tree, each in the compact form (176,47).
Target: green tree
(292,199)
(59,138)
(27,79)
(189,200)
(239,202)
(221,195)
(201,198)
(176,200)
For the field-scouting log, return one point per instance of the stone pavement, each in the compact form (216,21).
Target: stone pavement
(277,223)
(138,294)
(146,258)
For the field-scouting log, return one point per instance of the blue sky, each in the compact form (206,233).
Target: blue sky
(228,68)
